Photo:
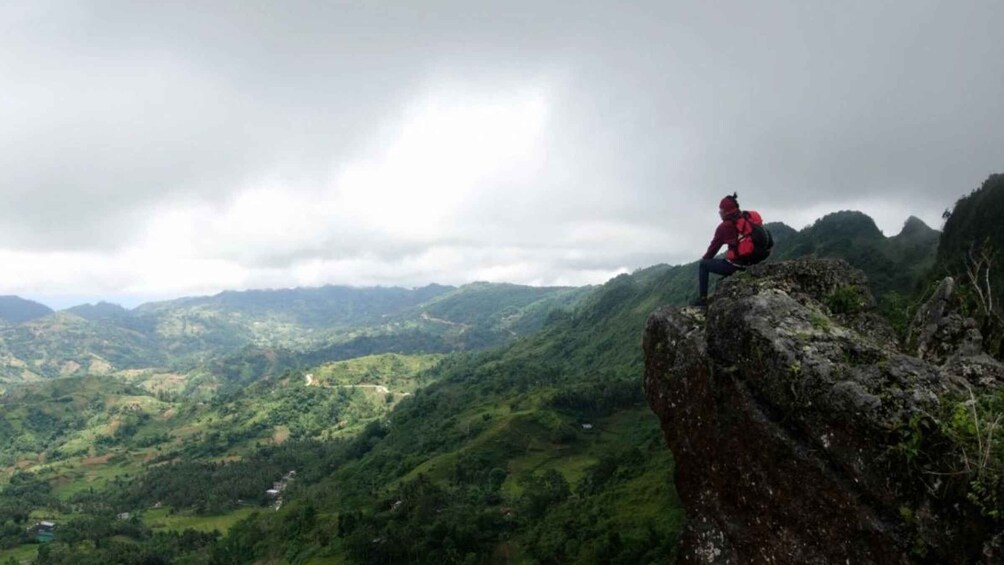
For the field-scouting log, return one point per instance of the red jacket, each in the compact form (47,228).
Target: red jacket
(725,234)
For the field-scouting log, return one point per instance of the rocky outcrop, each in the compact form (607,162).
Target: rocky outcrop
(940,332)
(802,434)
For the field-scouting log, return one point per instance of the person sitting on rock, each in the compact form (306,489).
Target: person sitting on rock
(726,234)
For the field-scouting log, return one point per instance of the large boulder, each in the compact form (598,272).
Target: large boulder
(802,434)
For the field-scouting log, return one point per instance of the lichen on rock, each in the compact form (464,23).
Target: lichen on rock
(803,434)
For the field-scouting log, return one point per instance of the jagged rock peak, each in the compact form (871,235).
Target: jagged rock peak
(915,227)
(801,434)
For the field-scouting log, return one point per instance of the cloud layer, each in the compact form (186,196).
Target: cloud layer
(156,150)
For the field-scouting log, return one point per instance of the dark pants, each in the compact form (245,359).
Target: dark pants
(716,266)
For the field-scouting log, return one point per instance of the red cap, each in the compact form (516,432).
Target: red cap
(728,204)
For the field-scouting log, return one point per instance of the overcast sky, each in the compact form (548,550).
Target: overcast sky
(152,150)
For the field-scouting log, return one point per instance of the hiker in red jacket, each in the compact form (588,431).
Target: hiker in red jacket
(725,234)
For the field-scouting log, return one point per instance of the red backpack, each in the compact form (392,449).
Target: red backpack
(755,241)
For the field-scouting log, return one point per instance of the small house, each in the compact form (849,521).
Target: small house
(272,493)
(44,531)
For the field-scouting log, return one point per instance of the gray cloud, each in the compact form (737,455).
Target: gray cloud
(114,112)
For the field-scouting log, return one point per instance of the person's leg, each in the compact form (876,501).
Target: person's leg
(716,266)
(702,280)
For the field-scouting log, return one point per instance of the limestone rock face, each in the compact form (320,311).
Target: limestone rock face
(939,331)
(802,434)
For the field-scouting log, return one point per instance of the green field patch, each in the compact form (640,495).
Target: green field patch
(135,402)
(573,460)
(48,514)
(396,372)
(82,474)
(156,382)
(328,560)
(161,519)
(521,437)
(21,554)
(648,498)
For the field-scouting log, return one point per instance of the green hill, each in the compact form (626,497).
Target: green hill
(972,251)
(100,311)
(973,223)
(64,344)
(15,310)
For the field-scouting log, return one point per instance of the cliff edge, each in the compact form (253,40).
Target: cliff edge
(802,434)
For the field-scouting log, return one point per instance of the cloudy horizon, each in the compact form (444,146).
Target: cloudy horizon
(156,151)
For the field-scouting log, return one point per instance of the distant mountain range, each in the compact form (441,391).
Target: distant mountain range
(893,264)
(335,322)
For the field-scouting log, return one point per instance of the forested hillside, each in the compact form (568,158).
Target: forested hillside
(972,251)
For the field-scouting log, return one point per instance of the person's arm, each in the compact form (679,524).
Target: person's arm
(725,234)
(716,243)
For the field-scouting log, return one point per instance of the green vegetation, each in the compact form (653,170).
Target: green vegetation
(847,300)
(20,554)
(976,426)
(399,373)
(970,251)
(163,519)
(973,222)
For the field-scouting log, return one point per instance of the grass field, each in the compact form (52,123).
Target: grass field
(161,519)
(20,554)
(573,460)
(79,474)
(397,372)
